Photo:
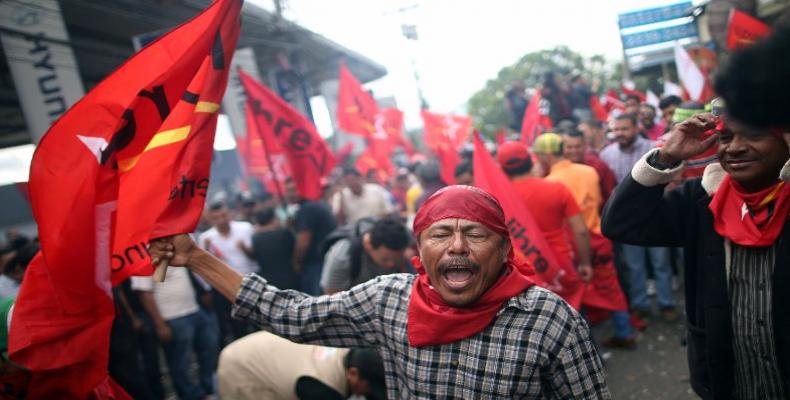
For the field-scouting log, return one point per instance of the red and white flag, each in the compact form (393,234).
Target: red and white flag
(689,73)
(129,162)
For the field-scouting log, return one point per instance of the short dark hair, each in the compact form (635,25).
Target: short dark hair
(627,117)
(754,82)
(391,233)
(264,216)
(564,126)
(650,106)
(368,362)
(350,171)
(519,169)
(668,101)
(429,171)
(22,258)
(216,205)
(593,123)
(574,133)
(633,97)
(463,168)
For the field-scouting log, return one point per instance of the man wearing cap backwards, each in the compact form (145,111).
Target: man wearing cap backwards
(732,224)
(471,325)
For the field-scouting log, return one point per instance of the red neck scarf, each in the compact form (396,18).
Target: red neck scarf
(750,219)
(431,321)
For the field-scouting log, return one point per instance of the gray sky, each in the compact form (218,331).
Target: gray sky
(461,43)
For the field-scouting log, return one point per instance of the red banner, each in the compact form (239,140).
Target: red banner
(356,108)
(536,119)
(129,162)
(276,122)
(744,30)
(524,232)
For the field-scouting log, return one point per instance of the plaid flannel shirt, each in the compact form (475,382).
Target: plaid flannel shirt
(537,346)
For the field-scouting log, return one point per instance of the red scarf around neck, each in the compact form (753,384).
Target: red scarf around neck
(434,322)
(431,321)
(750,219)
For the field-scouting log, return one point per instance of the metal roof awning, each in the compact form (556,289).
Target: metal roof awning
(101,31)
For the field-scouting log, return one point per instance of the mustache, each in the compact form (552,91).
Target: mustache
(457,261)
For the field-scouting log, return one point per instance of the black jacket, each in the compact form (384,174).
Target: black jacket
(645,216)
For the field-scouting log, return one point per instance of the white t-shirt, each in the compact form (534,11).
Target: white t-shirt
(375,201)
(175,297)
(227,247)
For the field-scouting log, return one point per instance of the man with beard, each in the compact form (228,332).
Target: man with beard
(471,325)
(621,156)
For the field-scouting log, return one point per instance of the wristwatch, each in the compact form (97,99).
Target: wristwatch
(653,162)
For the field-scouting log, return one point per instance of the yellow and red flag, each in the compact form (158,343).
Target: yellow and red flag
(356,108)
(129,162)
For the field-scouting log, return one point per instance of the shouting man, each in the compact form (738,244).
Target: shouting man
(470,325)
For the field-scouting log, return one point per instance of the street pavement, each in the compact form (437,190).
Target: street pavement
(656,369)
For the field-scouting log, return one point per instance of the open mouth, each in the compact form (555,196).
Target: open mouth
(458,277)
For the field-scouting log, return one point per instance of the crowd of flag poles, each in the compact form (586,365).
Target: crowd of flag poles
(130,162)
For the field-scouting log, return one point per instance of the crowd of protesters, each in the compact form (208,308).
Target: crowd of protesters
(634,178)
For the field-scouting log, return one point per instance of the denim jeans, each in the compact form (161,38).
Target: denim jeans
(196,332)
(622,324)
(636,259)
(311,279)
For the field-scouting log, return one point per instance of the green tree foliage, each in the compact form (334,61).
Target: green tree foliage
(487,106)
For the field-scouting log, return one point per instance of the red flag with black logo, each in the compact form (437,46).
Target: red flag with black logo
(744,30)
(444,135)
(275,121)
(356,108)
(527,238)
(128,162)
(536,119)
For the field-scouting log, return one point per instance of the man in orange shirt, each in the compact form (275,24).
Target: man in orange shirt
(582,181)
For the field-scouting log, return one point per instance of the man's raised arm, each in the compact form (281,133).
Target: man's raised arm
(346,319)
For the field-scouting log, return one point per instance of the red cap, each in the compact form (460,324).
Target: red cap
(512,154)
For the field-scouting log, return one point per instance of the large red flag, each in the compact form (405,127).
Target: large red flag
(356,108)
(128,162)
(275,121)
(444,134)
(527,237)
(536,119)
(744,29)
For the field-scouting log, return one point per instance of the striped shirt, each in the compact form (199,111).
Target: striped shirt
(536,347)
(757,374)
(620,161)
